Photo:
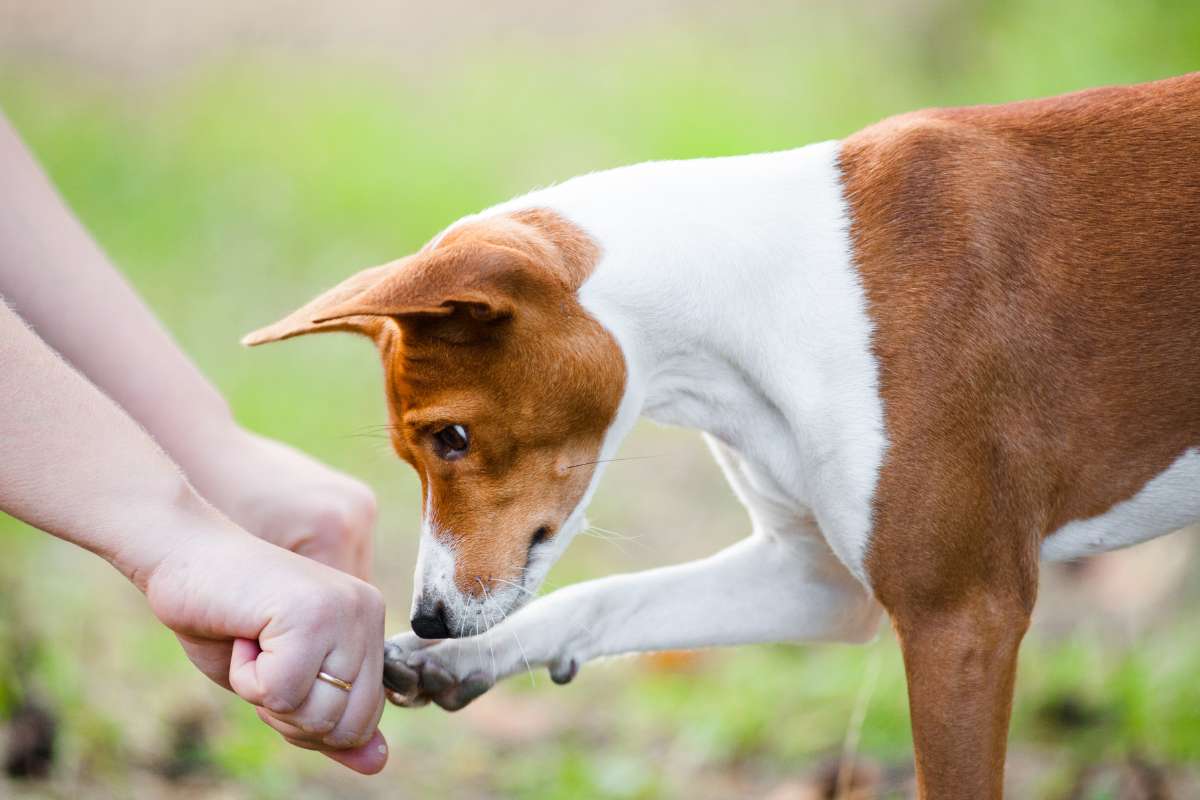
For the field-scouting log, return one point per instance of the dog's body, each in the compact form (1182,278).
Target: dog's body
(923,356)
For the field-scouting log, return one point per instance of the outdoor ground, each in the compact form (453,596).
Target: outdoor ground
(237,158)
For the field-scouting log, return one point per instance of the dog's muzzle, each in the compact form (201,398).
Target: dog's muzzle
(429,621)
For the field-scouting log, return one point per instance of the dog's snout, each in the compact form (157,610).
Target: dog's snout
(430,621)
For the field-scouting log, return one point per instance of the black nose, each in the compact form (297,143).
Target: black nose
(430,623)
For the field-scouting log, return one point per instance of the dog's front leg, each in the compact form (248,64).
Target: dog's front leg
(762,589)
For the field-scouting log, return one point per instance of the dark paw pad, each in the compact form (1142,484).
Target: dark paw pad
(434,679)
(564,671)
(400,678)
(459,695)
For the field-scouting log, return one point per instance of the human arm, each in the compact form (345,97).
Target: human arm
(74,465)
(58,279)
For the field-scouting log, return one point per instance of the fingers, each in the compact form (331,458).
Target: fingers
(355,740)
(363,704)
(243,671)
(321,711)
(368,758)
(334,716)
(282,677)
(212,657)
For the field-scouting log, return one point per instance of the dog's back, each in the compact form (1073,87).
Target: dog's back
(1034,276)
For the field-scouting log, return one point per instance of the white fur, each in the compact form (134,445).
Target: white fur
(435,558)
(729,286)
(1167,503)
(739,313)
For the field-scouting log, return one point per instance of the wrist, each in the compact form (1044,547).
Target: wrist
(158,527)
(222,463)
(192,442)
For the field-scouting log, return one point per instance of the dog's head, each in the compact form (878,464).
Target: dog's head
(501,389)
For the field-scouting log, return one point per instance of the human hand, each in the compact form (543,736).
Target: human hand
(263,622)
(285,497)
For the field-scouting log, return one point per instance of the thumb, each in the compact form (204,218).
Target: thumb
(368,759)
(210,656)
(243,671)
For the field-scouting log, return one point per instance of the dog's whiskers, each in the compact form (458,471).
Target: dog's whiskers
(611,534)
(491,624)
(609,460)
(372,432)
(462,627)
(488,598)
(617,540)
(475,636)
(517,585)
(614,542)
(551,586)
(382,427)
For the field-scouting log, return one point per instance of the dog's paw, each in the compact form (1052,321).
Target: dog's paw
(564,670)
(401,682)
(438,683)
(419,671)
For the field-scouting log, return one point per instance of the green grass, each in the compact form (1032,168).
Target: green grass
(231,193)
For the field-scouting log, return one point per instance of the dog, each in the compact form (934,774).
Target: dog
(926,356)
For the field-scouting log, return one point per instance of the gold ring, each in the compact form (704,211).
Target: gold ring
(332,681)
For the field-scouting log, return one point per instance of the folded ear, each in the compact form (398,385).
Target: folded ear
(305,319)
(480,280)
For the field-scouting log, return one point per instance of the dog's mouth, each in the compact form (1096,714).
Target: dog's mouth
(493,607)
(463,615)
(449,607)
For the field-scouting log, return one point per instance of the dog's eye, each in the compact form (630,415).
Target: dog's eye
(451,442)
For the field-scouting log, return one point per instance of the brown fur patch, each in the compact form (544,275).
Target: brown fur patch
(537,393)
(482,328)
(1033,273)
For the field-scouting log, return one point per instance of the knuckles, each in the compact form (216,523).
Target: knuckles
(364,506)
(319,727)
(349,515)
(279,703)
(348,741)
(350,604)
(332,525)
(370,606)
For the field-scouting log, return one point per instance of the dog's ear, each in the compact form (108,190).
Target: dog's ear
(464,287)
(305,319)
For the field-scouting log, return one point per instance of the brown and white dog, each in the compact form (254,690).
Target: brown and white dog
(926,356)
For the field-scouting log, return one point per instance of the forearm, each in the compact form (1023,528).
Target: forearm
(62,284)
(73,464)
(59,281)
(254,618)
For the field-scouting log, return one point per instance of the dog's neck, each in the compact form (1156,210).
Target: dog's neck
(729,286)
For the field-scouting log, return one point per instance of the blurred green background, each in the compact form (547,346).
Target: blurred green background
(236,158)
